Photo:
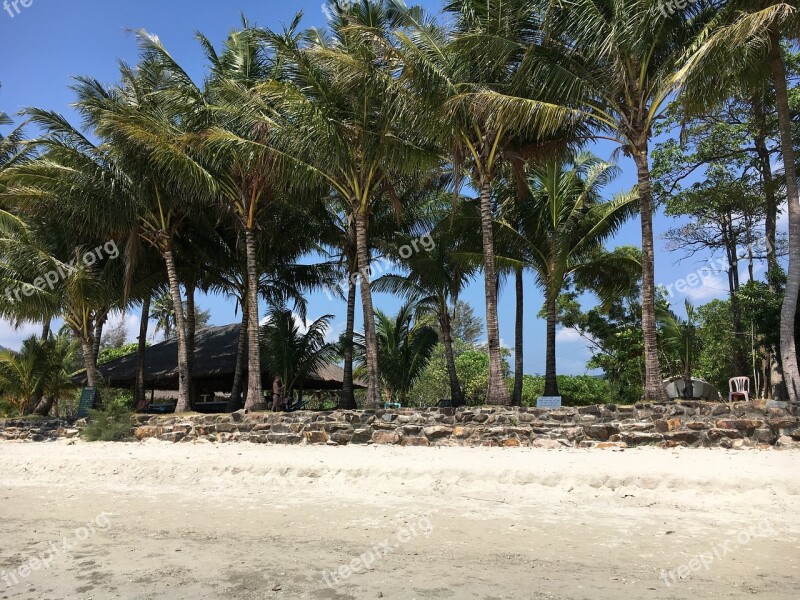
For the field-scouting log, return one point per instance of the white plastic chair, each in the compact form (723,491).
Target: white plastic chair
(740,386)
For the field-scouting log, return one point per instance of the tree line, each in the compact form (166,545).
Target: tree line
(391,123)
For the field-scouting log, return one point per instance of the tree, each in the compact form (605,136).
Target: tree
(680,342)
(292,354)
(747,45)
(405,344)
(619,65)
(437,274)
(463,80)
(561,225)
(464,324)
(346,120)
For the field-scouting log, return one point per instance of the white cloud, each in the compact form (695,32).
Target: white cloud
(568,335)
(711,286)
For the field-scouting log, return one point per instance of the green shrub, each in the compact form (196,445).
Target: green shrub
(112,424)
(576,390)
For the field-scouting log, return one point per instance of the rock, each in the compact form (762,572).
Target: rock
(786,442)
(461,432)
(173,437)
(716,433)
(636,438)
(226,428)
(342,438)
(361,436)
(437,432)
(511,442)
(765,436)
(600,432)
(665,425)
(545,443)
(284,438)
(696,425)
(688,437)
(385,437)
(147,431)
(316,437)
(238,416)
(416,440)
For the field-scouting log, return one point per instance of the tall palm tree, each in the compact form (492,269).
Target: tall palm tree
(560,226)
(437,274)
(347,114)
(458,75)
(746,45)
(618,64)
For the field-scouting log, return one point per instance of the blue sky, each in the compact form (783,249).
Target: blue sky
(49,42)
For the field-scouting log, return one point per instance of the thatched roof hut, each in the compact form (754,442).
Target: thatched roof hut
(214,365)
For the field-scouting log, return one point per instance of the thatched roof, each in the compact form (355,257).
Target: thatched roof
(214,361)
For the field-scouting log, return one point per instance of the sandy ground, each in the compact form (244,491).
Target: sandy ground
(157,520)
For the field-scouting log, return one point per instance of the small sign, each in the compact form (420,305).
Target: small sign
(86,402)
(548,402)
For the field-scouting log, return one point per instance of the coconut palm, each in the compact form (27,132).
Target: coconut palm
(560,225)
(458,76)
(437,274)
(680,340)
(347,115)
(291,353)
(618,64)
(405,343)
(746,45)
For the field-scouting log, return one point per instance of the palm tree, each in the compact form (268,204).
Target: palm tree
(292,354)
(679,338)
(458,76)
(437,275)
(405,343)
(746,45)
(346,114)
(560,226)
(618,64)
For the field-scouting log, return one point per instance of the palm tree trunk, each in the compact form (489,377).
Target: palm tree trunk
(241,347)
(516,398)
(89,360)
(654,390)
(44,406)
(46,328)
(497,392)
(791,376)
(139,393)
(456,396)
(550,371)
(184,401)
(191,329)
(255,399)
(347,398)
(98,336)
(370,338)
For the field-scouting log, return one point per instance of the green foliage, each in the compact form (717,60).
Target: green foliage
(114,423)
(112,353)
(715,362)
(576,390)
(472,368)
(615,334)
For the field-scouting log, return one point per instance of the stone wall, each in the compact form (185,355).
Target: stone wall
(693,424)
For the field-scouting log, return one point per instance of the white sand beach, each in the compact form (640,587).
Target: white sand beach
(160,520)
